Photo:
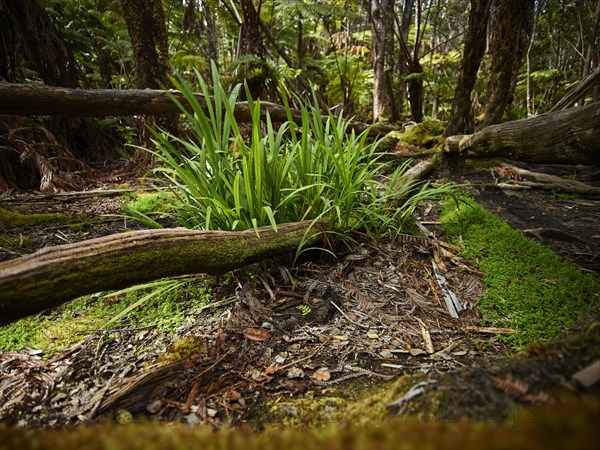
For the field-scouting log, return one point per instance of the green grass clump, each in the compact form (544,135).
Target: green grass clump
(160,304)
(233,177)
(527,287)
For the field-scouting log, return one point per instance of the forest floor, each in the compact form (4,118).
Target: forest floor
(377,322)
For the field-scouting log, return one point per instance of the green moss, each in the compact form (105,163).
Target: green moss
(66,325)
(528,288)
(18,242)
(570,424)
(15,219)
(150,202)
(424,134)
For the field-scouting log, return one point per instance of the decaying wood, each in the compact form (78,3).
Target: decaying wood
(25,99)
(51,276)
(571,136)
(578,90)
(546,181)
(419,171)
(589,375)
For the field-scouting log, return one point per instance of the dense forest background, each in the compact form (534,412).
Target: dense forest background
(468,63)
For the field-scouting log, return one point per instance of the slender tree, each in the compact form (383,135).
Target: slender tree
(382,104)
(510,37)
(474,48)
(589,30)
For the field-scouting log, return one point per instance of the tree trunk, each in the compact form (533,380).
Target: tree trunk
(381,91)
(508,45)
(589,45)
(251,43)
(146,26)
(30,24)
(415,91)
(474,49)
(54,275)
(148,34)
(564,137)
(25,99)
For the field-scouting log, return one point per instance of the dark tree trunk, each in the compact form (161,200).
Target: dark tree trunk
(146,26)
(212,35)
(251,43)
(415,91)
(29,25)
(382,107)
(402,28)
(147,31)
(508,45)
(474,48)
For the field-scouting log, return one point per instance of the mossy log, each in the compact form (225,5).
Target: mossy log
(26,99)
(54,275)
(571,137)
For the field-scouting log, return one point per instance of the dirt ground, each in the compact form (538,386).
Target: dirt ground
(376,313)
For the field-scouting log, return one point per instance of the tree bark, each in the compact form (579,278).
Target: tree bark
(146,26)
(251,43)
(564,137)
(382,98)
(54,275)
(31,27)
(474,49)
(24,99)
(509,41)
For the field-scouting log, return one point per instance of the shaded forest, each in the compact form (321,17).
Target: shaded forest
(468,63)
(339,221)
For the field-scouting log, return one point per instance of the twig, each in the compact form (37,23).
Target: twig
(306,357)
(450,297)
(349,319)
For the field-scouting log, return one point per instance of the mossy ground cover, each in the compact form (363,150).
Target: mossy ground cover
(527,287)
(162,306)
(15,219)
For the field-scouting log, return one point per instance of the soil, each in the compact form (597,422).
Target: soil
(568,224)
(374,314)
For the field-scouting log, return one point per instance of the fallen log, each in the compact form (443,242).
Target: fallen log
(545,181)
(26,99)
(54,275)
(570,136)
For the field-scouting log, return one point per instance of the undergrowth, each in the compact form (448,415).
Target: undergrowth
(162,305)
(527,287)
(225,175)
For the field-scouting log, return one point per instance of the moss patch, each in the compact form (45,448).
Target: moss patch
(528,288)
(66,325)
(14,219)
(150,202)
(424,134)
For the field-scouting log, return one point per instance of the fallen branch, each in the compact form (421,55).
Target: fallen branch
(578,91)
(547,182)
(26,99)
(52,276)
